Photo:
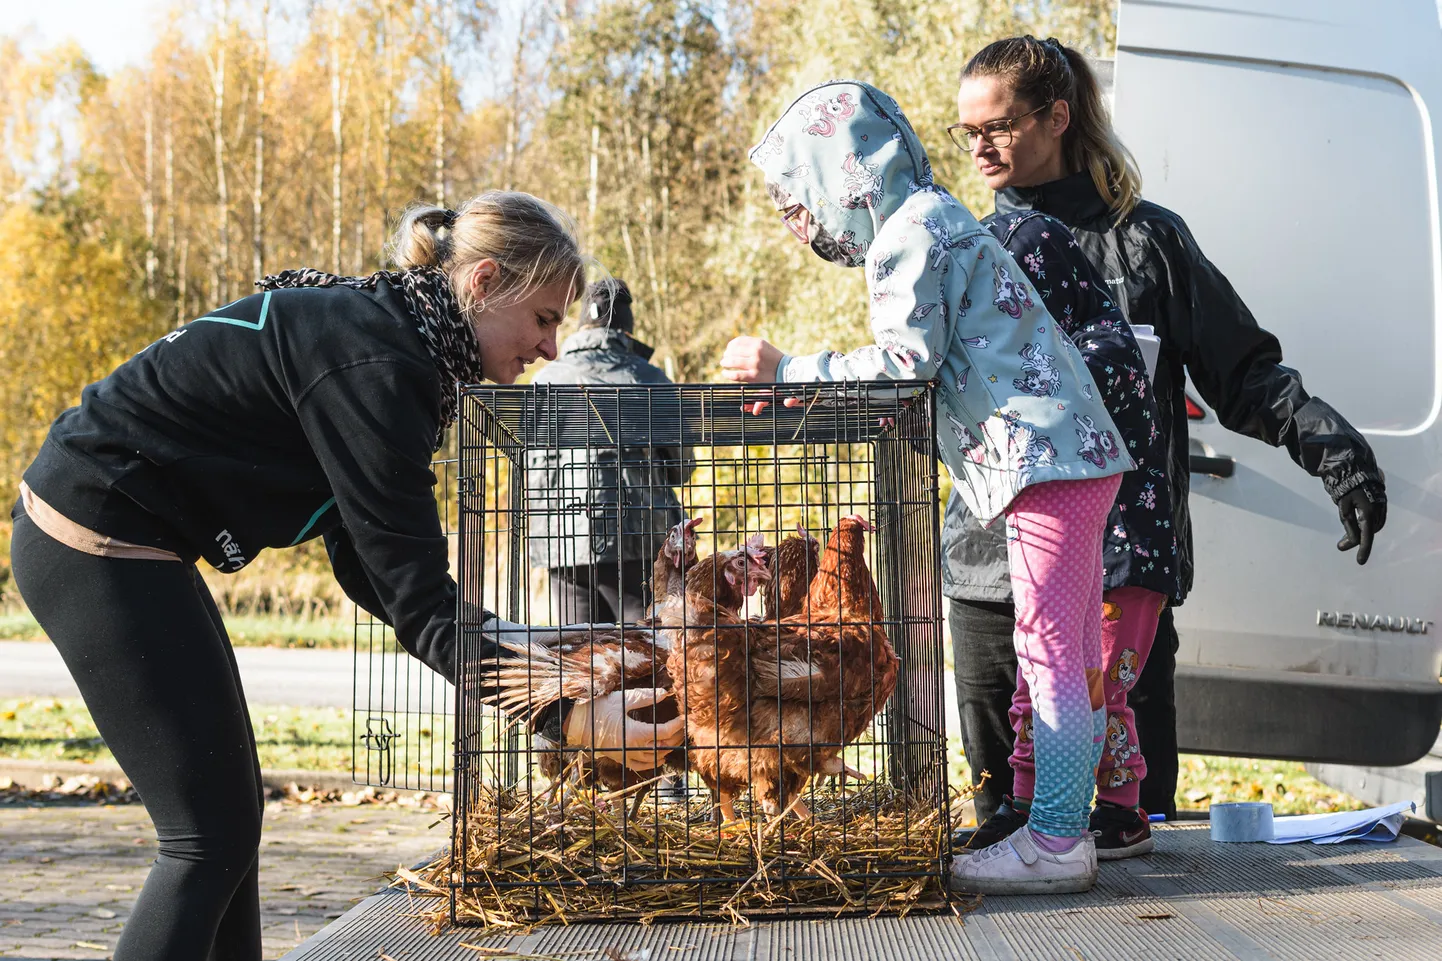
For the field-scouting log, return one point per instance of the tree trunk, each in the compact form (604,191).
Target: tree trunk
(170,237)
(337,110)
(362,196)
(648,236)
(593,192)
(513,114)
(221,269)
(149,199)
(182,290)
(387,104)
(257,194)
(443,40)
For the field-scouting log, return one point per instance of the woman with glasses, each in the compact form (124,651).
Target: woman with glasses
(1031,115)
(1022,425)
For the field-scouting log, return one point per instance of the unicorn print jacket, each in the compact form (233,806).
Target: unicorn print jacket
(1017,404)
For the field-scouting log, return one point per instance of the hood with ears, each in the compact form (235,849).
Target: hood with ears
(846,151)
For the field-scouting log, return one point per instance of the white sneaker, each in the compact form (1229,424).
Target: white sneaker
(1018,865)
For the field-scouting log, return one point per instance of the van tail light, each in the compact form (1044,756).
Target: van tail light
(1193,411)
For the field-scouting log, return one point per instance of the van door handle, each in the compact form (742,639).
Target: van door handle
(1215,466)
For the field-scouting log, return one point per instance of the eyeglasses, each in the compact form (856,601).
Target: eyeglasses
(796,219)
(998,133)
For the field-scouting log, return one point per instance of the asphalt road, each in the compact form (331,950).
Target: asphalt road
(294,677)
(300,678)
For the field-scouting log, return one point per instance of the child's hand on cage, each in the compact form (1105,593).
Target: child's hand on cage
(604,725)
(750,360)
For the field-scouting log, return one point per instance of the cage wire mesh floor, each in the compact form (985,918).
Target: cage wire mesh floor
(785,615)
(1189,899)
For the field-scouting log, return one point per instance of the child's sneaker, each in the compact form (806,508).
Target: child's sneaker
(1019,865)
(1120,832)
(1011,815)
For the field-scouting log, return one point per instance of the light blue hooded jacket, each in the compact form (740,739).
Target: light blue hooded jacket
(1018,406)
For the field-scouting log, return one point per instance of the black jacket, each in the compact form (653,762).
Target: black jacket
(1160,277)
(601,504)
(276,419)
(1140,546)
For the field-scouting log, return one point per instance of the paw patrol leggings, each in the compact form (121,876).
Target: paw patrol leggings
(1129,625)
(1054,544)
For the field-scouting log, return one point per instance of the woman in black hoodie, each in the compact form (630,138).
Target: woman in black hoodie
(1032,116)
(310,409)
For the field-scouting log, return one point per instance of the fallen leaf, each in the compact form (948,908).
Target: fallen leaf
(92,945)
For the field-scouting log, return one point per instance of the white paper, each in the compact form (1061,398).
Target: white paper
(1373,824)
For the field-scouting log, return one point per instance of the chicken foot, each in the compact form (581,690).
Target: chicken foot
(797,807)
(725,807)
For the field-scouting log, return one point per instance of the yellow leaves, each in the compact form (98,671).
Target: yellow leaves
(71,313)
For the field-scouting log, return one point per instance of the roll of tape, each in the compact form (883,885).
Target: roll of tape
(1242,821)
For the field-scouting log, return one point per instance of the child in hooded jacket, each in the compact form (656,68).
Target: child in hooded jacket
(1022,430)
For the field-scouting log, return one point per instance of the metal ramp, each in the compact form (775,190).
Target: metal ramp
(1191,899)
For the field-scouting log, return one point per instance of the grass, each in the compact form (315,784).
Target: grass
(244,631)
(1204,780)
(307,739)
(319,739)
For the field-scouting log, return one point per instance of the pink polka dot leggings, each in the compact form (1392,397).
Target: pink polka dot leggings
(1054,544)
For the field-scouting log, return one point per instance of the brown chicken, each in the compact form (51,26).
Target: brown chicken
(796,690)
(792,563)
(589,664)
(668,573)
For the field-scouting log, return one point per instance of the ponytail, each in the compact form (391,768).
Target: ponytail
(532,242)
(1045,71)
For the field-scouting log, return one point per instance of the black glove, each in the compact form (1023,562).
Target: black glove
(1364,512)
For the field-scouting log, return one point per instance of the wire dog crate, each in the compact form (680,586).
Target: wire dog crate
(804,655)
(403,713)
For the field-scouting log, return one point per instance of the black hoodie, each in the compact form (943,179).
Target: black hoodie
(280,417)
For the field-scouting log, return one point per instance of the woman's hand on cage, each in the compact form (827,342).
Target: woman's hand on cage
(604,725)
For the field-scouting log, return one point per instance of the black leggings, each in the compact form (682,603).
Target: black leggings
(146,646)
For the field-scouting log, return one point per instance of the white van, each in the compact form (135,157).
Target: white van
(1297,139)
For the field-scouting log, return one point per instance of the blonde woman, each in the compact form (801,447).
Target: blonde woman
(310,409)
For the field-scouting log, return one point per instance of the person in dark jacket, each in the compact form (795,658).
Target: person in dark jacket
(1041,137)
(310,409)
(600,514)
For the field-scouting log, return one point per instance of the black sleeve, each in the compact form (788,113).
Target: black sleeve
(679,467)
(1237,367)
(370,425)
(351,576)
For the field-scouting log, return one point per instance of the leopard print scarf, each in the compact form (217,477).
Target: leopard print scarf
(432,306)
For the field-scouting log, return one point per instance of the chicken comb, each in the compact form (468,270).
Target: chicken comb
(756,548)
